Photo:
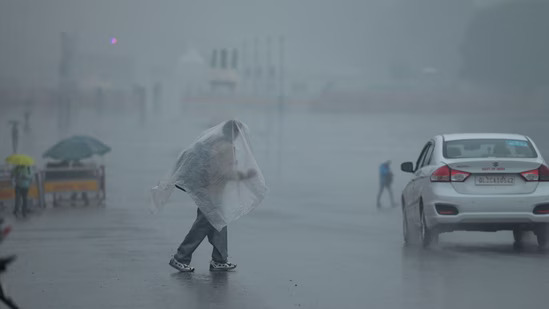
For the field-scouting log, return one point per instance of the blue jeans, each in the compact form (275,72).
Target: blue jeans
(21,196)
(200,229)
(382,186)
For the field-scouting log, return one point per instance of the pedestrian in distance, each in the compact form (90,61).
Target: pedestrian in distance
(14,135)
(221,175)
(21,178)
(385,182)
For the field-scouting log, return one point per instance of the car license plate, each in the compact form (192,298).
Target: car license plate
(494,180)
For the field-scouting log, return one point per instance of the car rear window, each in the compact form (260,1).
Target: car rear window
(488,148)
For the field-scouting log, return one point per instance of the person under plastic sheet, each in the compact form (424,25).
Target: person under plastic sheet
(221,174)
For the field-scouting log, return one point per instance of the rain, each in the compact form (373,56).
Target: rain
(105,105)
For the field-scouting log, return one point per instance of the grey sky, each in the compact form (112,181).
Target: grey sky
(342,37)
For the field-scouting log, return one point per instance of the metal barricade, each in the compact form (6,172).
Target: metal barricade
(84,180)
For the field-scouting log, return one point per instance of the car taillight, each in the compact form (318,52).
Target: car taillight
(6,231)
(446,174)
(543,173)
(542,209)
(442,174)
(532,175)
(445,209)
(459,176)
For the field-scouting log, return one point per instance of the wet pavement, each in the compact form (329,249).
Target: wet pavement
(316,242)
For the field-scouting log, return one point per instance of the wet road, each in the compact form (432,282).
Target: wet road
(316,242)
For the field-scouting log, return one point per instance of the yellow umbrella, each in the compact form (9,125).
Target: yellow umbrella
(20,159)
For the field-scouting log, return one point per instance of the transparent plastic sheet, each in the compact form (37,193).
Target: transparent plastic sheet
(219,172)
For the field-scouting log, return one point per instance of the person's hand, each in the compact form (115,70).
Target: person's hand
(251,173)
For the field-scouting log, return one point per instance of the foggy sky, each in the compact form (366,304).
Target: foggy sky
(344,38)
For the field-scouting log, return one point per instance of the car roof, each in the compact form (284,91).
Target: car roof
(458,136)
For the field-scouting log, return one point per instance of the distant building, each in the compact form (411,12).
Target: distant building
(115,72)
(191,73)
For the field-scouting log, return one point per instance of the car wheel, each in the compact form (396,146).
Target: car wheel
(410,232)
(405,232)
(542,234)
(518,236)
(428,236)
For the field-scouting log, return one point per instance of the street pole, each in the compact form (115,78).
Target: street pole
(268,110)
(65,83)
(281,99)
(269,70)
(255,70)
(244,67)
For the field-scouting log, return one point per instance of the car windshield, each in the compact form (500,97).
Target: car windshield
(489,148)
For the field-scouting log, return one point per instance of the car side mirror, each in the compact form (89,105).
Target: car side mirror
(407,167)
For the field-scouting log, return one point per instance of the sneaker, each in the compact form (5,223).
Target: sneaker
(222,266)
(180,266)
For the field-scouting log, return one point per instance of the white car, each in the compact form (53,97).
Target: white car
(477,182)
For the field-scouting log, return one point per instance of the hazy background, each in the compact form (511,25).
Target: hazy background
(329,89)
(363,43)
